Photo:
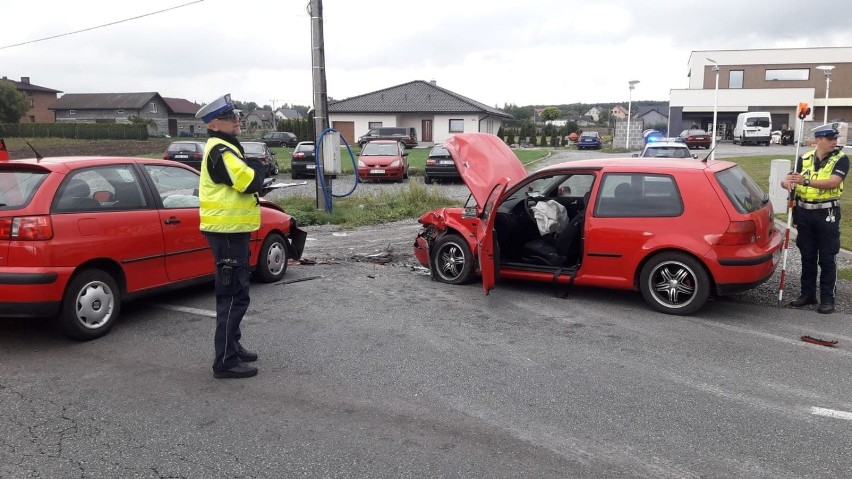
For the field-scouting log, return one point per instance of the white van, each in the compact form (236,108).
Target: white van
(753,127)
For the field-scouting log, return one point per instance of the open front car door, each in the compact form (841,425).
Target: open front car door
(485,233)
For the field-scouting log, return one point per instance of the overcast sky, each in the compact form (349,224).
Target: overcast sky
(543,52)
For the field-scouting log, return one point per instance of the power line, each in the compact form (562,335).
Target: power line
(100,26)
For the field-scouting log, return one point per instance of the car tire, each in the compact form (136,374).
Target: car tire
(742,140)
(674,283)
(272,259)
(90,306)
(427,179)
(452,260)
(275,169)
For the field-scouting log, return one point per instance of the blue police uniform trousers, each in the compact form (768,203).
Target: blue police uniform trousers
(818,240)
(231,256)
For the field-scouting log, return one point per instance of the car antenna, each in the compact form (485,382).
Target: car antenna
(38,156)
(709,153)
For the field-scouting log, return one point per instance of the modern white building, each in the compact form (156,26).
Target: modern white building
(773,80)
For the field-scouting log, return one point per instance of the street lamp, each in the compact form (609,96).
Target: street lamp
(827,69)
(632,84)
(715,110)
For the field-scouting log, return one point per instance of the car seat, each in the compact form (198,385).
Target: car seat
(75,197)
(560,250)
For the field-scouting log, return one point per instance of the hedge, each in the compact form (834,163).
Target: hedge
(78,131)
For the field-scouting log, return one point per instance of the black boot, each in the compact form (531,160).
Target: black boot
(825,308)
(236,372)
(803,301)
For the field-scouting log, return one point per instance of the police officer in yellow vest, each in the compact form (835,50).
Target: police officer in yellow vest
(230,211)
(818,183)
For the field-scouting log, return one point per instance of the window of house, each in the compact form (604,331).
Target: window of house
(793,74)
(735,79)
(153,107)
(32,102)
(456,126)
(72,112)
(374,124)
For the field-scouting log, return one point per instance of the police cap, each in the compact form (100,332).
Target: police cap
(218,107)
(826,131)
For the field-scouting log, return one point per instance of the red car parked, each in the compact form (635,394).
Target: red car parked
(676,231)
(383,160)
(695,138)
(79,235)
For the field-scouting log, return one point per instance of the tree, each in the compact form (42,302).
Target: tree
(13,104)
(550,113)
(138,120)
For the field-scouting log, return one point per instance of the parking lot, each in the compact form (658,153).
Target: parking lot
(368,368)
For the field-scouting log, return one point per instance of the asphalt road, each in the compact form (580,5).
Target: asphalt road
(368,368)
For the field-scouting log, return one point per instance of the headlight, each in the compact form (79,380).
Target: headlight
(361,164)
(394,164)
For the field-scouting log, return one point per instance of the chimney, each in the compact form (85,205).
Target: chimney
(25,80)
(433,82)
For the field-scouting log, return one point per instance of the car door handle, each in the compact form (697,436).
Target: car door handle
(172,221)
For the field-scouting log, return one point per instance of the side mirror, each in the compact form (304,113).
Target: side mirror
(695,156)
(404,153)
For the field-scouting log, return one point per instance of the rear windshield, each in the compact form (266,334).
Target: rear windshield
(255,148)
(666,152)
(17,187)
(758,121)
(184,147)
(744,193)
(439,151)
(305,147)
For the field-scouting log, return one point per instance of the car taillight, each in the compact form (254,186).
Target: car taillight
(166,156)
(26,228)
(430,161)
(298,155)
(738,233)
(196,156)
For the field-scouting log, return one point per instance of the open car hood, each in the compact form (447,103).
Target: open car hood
(482,160)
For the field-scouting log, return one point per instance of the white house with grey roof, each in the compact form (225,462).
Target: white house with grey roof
(434,112)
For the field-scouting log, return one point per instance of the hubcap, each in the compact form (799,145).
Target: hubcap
(673,284)
(275,258)
(94,305)
(450,261)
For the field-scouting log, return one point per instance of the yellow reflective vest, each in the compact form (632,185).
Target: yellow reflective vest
(811,194)
(224,208)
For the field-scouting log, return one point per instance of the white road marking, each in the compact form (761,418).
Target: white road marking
(183,309)
(833,413)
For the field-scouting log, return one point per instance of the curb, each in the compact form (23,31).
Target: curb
(782,227)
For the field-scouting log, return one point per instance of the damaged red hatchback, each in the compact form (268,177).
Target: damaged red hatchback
(675,231)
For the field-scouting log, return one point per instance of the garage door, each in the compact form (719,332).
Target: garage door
(347,129)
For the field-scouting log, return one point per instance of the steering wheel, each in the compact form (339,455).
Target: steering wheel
(531,201)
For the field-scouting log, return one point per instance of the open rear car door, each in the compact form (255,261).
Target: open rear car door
(485,234)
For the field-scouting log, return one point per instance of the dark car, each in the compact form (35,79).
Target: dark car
(408,136)
(279,138)
(303,163)
(190,153)
(589,139)
(440,165)
(259,151)
(695,138)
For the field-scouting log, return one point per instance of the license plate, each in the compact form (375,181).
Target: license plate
(310,167)
(445,162)
(377,172)
(181,156)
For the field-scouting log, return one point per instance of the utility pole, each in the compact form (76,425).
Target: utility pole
(320,93)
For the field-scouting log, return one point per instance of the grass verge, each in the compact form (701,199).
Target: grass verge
(351,212)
